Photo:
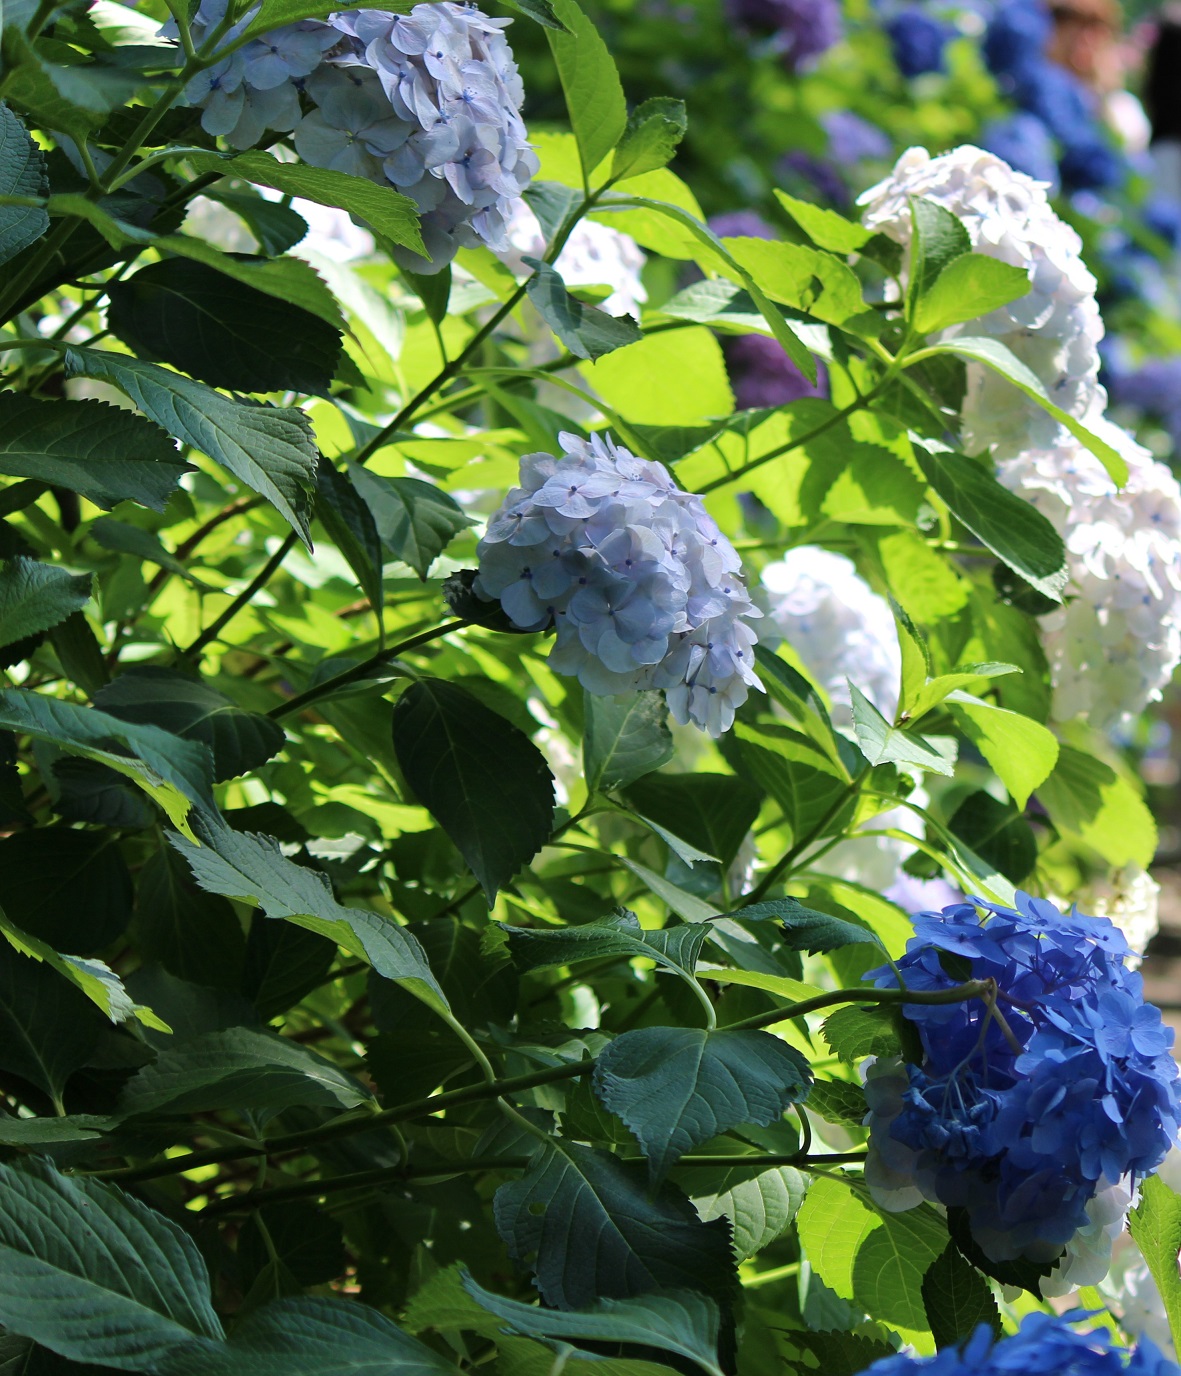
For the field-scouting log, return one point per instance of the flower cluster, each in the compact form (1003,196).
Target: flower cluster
(428,102)
(916,41)
(802,29)
(1115,642)
(1034,1110)
(642,587)
(1055,329)
(1045,1345)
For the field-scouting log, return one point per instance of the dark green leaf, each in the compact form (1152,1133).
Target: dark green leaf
(484,782)
(678,1321)
(415,521)
(194,935)
(676,948)
(585,330)
(1015,531)
(385,210)
(433,290)
(221,331)
(121,538)
(590,1228)
(276,227)
(240,741)
(624,738)
(307,1240)
(1155,1225)
(712,812)
(105,454)
(1026,1275)
(22,173)
(855,1032)
(270,448)
(36,596)
(284,963)
(90,792)
(94,1274)
(541,11)
(957,1299)
(969,286)
(69,888)
(590,82)
(838,1101)
(998,833)
(654,131)
(805,928)
(883,743)
(828,1353)
(677,1087)
(552,203)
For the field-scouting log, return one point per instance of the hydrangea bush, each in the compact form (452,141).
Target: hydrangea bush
(539,729)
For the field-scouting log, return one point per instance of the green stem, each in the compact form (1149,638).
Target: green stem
(359,671)
(961,993)
(786,860)
(259,581)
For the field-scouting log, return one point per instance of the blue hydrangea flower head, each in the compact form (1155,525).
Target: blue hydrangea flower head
(1045,1345)
(1017,35)
(1037,1107)
(1024,142)
(917,42)
(852,139)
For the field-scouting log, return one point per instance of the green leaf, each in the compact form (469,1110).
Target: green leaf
(624,738)
(712,812)
(808,279)
(22,173)
(1023,752)
(970,286)
(276,227)
(484,782)
(834,1353)
(882,743)
(998,833)
(654,131)
(1015,531)
(350,524)
(252,869)
(685,904)
(540,11)
(806,929)
(95,1275)
(679,1321)
(590,83)
(759,1208)
(270,448)
(68,888)
(239,741)
(806,784)
(36,596)
(195,935)
(919,698)
(826,228)
(176,774)
(97,981)
(938,238)
(585,330)
(676,1087)
(433,289)
(415,521)
(590,1228)
(957,1299)
(1155,1225)
(838,1101)
(855,1032)
(102,452)
(675,948)
(308,1336)
(238,1068)
(386,211)
(1088,799)
(222,331)
(1025,1275)
(877,1260)
(121,538)
(993,354)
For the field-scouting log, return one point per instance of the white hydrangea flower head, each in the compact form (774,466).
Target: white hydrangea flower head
(595,255)
(643,589)
(1131,899)
(1115,642)
(1087,1258)
(428,102)
(818,603)
(1055,329)
(1130,1288)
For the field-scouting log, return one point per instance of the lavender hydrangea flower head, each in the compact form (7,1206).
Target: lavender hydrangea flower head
(1045,1345)
(762,374)
(642,588)
(852,139)
(1055,329)
(1035,1109)
(803,29)
(428,102)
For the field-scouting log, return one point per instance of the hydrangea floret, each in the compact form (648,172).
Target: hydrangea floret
(642,588)
(1037,1107)
(428,102)
(1044,1345)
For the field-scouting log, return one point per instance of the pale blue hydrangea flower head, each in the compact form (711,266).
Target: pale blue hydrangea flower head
(640,585)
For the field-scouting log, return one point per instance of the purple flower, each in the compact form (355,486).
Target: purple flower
(762,374)
(852,139)
(742,224)
(803,29)
(819,175)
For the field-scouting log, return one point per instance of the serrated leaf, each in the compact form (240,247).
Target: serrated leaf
(826,228)
(676,948)
(36,596)
(957,1299)
(95,1275)
(1155,1225)
(883,743)
(1022,751)
(105,454)
(590,83)
(624,738)
(806,929)
(676,1087)
(194,935)
(760,1208)
(239,741)
(483,780)
(415,520)
(838,1101)
(252,869)
(834,1353)
(969,286)
(938,238)
(711,812)
(679,1321)
(67,887)
(998,833)
(221,330)
(1088,799)
(920,697)
(680,901)
(590,1228)
(97,981)
(585,330)
(270,448)
(854,1032)
(121,538)
(22,173)
(350,525)
(385,210)
(654,131)
(1015,531)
